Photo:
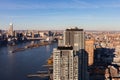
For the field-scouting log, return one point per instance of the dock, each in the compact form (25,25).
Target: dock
(44,74)
(38,75)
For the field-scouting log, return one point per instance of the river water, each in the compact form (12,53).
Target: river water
(16,66)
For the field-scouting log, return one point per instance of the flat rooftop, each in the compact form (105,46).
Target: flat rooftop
(74,29)
(65,47)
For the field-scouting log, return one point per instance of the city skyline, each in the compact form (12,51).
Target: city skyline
(59,14)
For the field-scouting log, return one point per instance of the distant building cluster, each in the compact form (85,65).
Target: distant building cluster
(106,64)
(13,37)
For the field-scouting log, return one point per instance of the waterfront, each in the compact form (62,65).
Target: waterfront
(16,66)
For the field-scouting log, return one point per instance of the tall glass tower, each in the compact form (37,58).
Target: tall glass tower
(10,31)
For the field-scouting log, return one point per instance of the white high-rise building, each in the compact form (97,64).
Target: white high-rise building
(65,65)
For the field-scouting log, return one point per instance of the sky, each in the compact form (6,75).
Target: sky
(60,14)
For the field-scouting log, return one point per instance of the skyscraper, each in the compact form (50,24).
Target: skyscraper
(10,31)
(72,37)
(65,65)
(75,38)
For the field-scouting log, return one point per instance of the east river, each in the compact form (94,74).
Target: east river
(16,66)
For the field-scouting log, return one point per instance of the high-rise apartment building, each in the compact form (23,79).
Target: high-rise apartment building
(72,37)
(89,48)
(65,66)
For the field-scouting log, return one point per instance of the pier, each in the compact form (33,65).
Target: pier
(38,75)
(44,74)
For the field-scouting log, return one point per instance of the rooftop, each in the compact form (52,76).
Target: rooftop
(65,47)
(74,29)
